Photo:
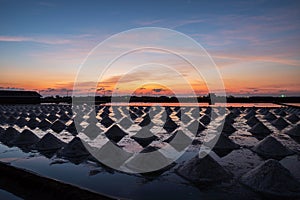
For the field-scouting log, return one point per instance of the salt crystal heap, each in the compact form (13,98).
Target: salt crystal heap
(125,123)
(223,143)
(295,131)
(9,135)
(252,121)
(111,154)
(203,170)
(271,148)
(115,133)
(270,117)
(272,179)
(146,120)
(74,149)
(250,114)
(58,126)
(260,130)
(205,120)
(149,159)
(179,140)
(92,131)
(170,125)
(32,123)
(48,143)
(144,137)
(280,123)
(44,124)
(293,118)
(26,137)
(226,129)
(196,127)
(106,121)
(21,122)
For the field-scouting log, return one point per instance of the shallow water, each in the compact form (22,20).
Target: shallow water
(96,177)
(6,195)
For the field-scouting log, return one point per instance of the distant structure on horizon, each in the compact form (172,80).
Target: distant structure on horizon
(19,97)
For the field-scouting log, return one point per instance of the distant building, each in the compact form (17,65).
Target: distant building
(19,97)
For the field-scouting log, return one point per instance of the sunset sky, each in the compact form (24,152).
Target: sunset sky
(255,44)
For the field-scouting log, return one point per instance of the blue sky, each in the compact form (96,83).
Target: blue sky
(254,43)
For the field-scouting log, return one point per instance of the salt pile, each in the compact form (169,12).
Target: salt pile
(106,121)
(280,123)
(92,131)
(271,148)
(115,133)
(196,127)
(9,135)
(236,112)
(179,140)
(117,114)
(125,123)
(271,178)
(44,125)
(278,110)
(149,158)
(223,143)
(208,110)
(92,120)
(229,118)
(252,121)
(264,111)
(270,117)
(195,113)
(293,118)
(170,125)
(21,122)
(185,118)
(26,137)
(42,116)
(11,120)
(58,126)
(133,116)
(227,128)
(282,113)
(203,171)
(64,117)
(74,149)
(205,120)
(260,130)
(250,114)
(146,120)
(144,137)
(71,128)
(48,143)
(295,131)
(52,117)
(105,153)
(32,123)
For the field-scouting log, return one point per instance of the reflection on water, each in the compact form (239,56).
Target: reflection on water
(88,173)
(6,195)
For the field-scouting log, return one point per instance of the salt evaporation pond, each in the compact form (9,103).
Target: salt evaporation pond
(240,151)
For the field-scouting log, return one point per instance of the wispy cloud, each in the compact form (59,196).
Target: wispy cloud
(148,22)
(235,58)
(52,40)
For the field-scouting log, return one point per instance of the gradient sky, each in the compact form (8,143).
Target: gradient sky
(255,44)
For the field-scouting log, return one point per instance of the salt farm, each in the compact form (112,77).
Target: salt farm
(256,156)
